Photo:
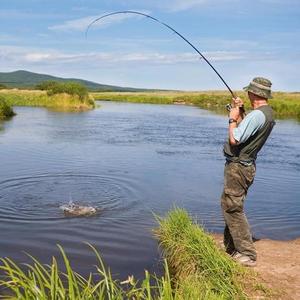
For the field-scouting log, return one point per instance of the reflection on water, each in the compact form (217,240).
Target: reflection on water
(130,160)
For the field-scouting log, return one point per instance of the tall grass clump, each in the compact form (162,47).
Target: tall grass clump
(47,282)
(194,258)
(5,109)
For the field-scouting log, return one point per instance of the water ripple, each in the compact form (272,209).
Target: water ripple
(37,198)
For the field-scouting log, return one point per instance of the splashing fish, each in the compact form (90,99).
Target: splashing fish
(75,210)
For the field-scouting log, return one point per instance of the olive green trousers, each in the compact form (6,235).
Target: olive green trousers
(237,235)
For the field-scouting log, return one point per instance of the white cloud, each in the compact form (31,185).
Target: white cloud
(21,55)
(153,69)
(76,24)
(81,24)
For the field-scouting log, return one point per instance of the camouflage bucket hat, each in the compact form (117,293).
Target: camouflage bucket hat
(260,86)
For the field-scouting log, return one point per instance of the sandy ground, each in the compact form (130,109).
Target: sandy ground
(278,265)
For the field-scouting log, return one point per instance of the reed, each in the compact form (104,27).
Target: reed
(46,282)
(49,282)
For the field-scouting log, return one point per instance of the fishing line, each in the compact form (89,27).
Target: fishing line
(169,27)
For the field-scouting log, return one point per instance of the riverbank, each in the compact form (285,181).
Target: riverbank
(278,266)
(196,267)
(192,253)
(285,105)
(60,101)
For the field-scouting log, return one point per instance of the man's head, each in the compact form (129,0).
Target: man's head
(255,98)
(259,88)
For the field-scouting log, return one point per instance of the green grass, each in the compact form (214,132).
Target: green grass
(194,258)
(195,269)
(43,282)
(285,105)
(61,101)
(6,111)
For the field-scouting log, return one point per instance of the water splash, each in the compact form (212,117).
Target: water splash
(75,210)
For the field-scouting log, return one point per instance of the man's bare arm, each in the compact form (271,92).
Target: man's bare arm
(234,116)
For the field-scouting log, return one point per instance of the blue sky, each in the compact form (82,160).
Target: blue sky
(242,39)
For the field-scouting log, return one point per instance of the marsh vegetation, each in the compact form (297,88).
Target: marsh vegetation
(285,105)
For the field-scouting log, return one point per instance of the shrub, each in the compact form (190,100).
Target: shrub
(5,110)
(71,88)
(46,85)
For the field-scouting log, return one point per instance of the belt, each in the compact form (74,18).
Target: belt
(242,162)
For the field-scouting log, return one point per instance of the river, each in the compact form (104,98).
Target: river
(131,160)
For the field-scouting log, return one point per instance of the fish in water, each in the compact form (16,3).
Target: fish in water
(75,210)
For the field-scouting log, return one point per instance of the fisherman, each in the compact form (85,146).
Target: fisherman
(246,138)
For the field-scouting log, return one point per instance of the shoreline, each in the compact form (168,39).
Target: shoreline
(278,266)
(285,105)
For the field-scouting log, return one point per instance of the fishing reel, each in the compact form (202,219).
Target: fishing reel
(228,107)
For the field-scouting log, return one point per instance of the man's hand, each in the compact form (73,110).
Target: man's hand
(237,102)
(234,113)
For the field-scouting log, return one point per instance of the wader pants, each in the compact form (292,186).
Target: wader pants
(237,235)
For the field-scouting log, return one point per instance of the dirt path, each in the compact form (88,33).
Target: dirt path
(278,265)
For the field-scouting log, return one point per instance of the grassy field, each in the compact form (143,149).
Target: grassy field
(63,101)
(195,268)
(285,105)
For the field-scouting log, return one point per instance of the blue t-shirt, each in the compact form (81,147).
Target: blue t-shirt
(249,126)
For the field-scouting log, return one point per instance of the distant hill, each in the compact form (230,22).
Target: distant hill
(28,80)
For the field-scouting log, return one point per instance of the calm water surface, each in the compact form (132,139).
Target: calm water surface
(130,160)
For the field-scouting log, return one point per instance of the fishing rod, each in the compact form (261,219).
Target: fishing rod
(169,27)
